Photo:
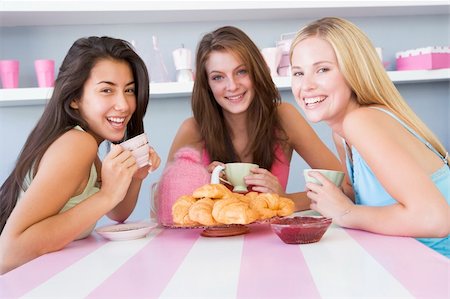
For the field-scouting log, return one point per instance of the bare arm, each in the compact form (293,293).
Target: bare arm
(35,226)
(124,208)
(304,140)
(403,166)
(307,144)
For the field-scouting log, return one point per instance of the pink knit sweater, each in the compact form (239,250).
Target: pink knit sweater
(181,177)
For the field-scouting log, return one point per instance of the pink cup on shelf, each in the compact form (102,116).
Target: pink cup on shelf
(45,72)
(9,73)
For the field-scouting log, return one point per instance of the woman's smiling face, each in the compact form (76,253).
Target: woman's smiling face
(318,85)
(229,81)
(108,100)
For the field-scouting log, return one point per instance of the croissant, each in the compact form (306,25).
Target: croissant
(201,212)
(214,204)
(214,191)
(233,211)
(286,207)
(269,205)
(180,210)
(251,195)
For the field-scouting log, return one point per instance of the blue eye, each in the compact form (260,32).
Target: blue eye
(216,78)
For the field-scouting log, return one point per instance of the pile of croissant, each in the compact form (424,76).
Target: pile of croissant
(215,204)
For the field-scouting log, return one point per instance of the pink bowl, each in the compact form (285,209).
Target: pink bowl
(301,229)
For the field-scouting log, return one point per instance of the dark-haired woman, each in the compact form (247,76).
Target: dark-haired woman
(59,187)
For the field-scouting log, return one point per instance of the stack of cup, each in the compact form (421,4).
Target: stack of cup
(139,148)
(9,73)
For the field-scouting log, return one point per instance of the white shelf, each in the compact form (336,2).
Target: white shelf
(38,96)
(398,77)
(67,12)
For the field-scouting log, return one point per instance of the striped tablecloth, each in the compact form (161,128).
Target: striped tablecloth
(179,263)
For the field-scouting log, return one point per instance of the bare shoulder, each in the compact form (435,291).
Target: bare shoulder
(366,119)
(364,114)
(67,162)
(372,131)
(188,135)
(74,146)
(190,126)
(78,141)
(189,132)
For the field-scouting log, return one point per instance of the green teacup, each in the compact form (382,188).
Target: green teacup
(333,175)
(236,172)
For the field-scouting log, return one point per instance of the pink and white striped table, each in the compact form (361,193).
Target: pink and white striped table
(179,263)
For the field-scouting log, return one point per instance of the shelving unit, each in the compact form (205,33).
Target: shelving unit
(38,96)
(68,12)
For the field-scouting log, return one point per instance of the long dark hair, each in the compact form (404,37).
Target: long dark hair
(58,117)
(263,125)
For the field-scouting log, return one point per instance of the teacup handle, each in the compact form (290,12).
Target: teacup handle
(215,176)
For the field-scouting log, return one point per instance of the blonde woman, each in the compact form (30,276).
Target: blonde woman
(397,167)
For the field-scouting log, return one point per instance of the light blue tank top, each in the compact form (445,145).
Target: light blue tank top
(369,191)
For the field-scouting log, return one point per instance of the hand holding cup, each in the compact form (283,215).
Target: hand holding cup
(336,177)
(139,148)
(236,172)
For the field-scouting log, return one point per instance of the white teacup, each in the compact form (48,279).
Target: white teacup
(236,172)
(333,175)
(139,148)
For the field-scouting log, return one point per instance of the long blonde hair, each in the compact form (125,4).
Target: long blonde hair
(360,65)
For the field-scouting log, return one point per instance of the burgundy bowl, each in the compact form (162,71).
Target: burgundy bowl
(300,229)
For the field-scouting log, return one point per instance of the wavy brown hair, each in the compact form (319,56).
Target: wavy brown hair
(58,117)
(263,124)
